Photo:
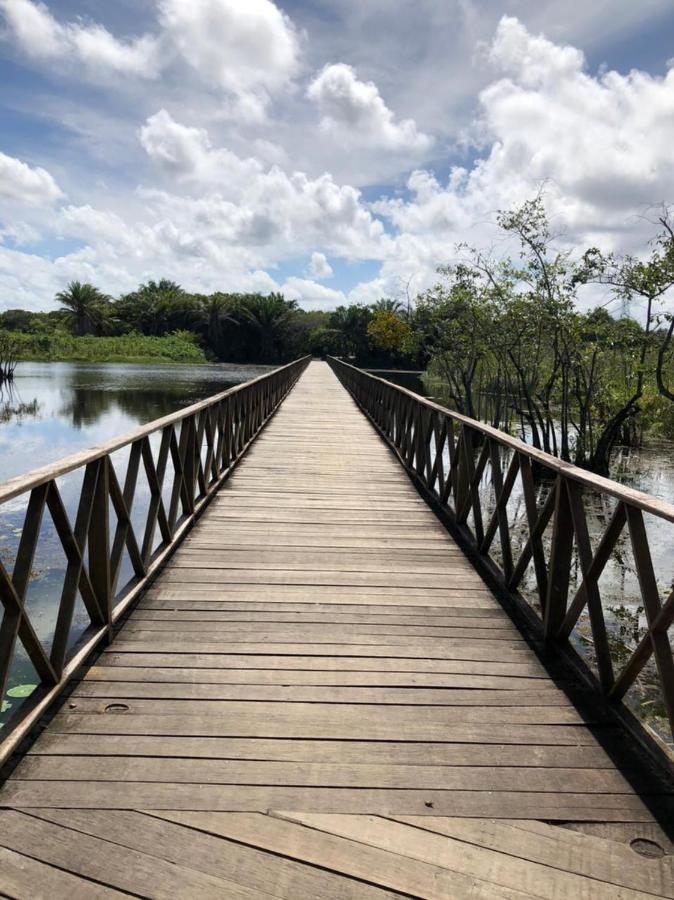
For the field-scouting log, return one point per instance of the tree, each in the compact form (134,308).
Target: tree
(270,317)
(84,308)
(388,332)
(157,308)
(388,304)
(349,325)
(648,280)
(217,310)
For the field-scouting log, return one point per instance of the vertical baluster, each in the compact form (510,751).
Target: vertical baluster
(98,543)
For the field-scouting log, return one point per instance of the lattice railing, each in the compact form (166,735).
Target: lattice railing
(527,516)
(112,533)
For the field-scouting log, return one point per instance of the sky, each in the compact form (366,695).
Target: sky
(335,150)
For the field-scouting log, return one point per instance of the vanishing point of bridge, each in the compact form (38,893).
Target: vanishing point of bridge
(320,680)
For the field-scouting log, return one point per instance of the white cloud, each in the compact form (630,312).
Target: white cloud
(42,37)
(312,295)
(237,200)
(250,49)
(319,267)
(600,144)
(353,112)
(188,153)
(26,185)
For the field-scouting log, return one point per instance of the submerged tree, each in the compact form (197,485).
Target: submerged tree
(8,357)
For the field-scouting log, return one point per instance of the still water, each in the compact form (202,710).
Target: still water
(54,409)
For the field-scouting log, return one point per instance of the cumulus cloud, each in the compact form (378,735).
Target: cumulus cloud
(599,143)
(319,267)
(312,295)
(26,185)
(250,49)
(188,153)
(239,200)
(354,112)
(41,36)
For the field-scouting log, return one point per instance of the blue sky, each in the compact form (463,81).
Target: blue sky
(336,150)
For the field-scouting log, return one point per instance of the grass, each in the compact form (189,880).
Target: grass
(179,347)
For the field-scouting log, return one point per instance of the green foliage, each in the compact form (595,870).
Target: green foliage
(84,308)
(388,332)
(132,347)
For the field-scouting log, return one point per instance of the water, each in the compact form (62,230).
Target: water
(649,469)
(54,409)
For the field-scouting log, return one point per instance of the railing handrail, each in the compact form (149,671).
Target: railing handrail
(646,502)
(22,483)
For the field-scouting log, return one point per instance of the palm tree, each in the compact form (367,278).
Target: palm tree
(84,307)
(387,304)
(217,309)
(270,317)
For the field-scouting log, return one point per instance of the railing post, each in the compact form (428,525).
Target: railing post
(98,543)
(464,450)
(554,604)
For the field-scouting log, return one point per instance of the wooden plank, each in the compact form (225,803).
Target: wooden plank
(283,693)
(153,642)
(114,866)
(103,795)
(341,676)
(562,849)
(211,633)
(327,726)
(316,751)
(371,716)
(417,843)
(23,876)
(175,575)
(333,775)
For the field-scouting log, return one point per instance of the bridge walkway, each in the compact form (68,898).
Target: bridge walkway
(319,697)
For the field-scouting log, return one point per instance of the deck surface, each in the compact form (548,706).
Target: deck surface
(319,698)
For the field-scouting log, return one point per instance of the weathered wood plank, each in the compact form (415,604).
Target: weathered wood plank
(103,795)
(588,756)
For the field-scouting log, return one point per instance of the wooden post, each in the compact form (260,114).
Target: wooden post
(554,607)
(99,544)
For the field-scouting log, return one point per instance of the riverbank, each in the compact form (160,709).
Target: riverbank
(179,347)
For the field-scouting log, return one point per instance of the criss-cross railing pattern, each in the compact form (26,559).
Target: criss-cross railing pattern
(185,458)
(454,457)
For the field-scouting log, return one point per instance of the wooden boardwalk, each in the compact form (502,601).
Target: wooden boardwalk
(319,698)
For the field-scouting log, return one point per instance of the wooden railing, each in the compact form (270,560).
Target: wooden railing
(185,458)
(473,470)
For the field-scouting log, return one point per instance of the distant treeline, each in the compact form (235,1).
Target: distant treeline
(505,335)
(252,328)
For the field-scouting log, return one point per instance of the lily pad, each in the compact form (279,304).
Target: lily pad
(21,690)
(5,706)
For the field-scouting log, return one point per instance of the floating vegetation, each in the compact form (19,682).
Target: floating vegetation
(20,691)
